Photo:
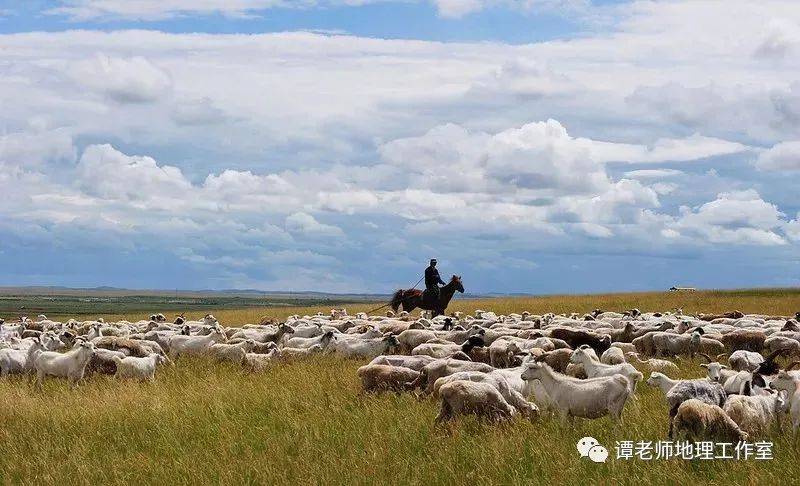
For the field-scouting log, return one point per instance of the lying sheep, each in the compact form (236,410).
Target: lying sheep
(413,362)
(696,420)
(378,377)
(143,369)
(467,397)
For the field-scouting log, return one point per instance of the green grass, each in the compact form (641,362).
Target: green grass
(308,423)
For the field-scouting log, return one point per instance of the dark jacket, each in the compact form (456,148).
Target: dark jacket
(432,278)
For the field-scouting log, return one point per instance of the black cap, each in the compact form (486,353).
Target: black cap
(433,260)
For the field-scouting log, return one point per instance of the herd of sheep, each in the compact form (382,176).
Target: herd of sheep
(496,367)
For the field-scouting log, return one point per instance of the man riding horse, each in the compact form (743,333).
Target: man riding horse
(434,298)
(432,282)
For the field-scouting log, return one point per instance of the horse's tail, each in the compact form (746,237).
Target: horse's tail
(397,299)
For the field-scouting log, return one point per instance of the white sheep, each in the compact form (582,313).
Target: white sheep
(595,369)
(194,345)
(791,385)
(743,360)
(573,397)
(231,352)
(143,369)
(70,365)
(654,364)
(754,414)
(14,361)
(612,356)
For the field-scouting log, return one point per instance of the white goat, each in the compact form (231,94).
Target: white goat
(138,368)
(70,365)
(595,370)
(590,398)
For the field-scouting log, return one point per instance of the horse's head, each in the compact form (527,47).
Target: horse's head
(456,282)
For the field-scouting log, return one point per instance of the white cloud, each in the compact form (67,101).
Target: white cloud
(304,223)
(784,156)
(734,218)
(653,173)
(125,80)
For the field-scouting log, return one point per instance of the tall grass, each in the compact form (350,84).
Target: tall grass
(308,423)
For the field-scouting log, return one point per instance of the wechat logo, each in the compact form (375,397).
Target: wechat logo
(589,447)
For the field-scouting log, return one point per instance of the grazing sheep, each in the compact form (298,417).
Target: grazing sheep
(572,397)
(378,377)
(497,380)
(612,356)
(364,348)
(653,364)
(576,338)
(743,360)
(438,350)
(288,353)
(143,369)
(696,420)
(413,362)
(194,345)
(678,391)
(128,346)
(231,352)
(746,339)
(468,397)
(259,362)
(558,359)
(754,414)
(444,367)
(595,369)
(102,362)
(70,365)
(323,340)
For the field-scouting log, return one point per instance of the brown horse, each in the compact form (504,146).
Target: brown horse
(413,298)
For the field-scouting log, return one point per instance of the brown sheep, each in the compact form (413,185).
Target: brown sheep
(558,359)
(127,346)
(376,377)
(746,339)
(696,420)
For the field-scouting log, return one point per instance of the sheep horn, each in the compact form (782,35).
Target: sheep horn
(704,355)
(721,355)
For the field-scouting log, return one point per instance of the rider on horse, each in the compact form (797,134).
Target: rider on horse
(432,282)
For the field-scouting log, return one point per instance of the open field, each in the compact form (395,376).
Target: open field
(308,423)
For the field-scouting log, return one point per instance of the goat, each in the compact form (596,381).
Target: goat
(70,365)
(468,397)
(572,397)
(138,368)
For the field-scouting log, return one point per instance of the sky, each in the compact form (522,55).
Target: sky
(532,146)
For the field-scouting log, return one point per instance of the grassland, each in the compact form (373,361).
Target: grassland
(308,423)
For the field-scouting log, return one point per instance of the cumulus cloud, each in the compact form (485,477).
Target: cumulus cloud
(740,217)
(784,156)
(639,142)
(125,80)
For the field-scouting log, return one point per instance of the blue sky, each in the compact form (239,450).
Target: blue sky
(530,145)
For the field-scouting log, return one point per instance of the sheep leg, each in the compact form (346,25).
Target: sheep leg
(445,413)
(672,412)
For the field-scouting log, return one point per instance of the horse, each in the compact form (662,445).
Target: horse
(413,298)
